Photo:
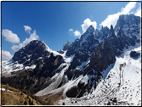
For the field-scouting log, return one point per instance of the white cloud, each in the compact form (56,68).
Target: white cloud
(27,28)
(87,22)
(33,36)
(128,8)
(5,55)
(70,30)
(10,36)
(138,12)
(112,19)
(77,33)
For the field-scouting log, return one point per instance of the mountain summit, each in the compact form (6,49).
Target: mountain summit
(29,54)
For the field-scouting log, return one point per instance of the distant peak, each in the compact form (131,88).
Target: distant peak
(91,26)
(90,29)
(66,45)
(36,41)
(125,17)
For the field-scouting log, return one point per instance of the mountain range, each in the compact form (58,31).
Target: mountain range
(102,67)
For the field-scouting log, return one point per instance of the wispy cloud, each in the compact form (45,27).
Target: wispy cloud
(27,28)
(128,8)
(87,22)
(138,11)
(70,30)
(112,19)
(5,55)
(10,36)
(33,36)
(77,33)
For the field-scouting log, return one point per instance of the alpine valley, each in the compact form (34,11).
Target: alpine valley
(102,67)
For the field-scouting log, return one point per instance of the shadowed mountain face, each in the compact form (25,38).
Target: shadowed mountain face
(29,54)
(37,53)
(88,56)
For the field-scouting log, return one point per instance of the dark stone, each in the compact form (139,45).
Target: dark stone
(63,103)
(72,92)
(73,73)
(108,103)
(114,100)
(134,54)
(78,91)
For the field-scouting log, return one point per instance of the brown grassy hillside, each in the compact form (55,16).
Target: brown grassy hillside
(16,97)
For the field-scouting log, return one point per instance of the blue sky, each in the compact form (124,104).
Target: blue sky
(56,22)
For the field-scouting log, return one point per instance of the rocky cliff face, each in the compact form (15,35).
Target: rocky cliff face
(36,67)
(113,46)
(102,46)
(37,53)
(30,53)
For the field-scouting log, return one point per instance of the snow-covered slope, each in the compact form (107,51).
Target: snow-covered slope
(122,85)
(58,78)
(8,67)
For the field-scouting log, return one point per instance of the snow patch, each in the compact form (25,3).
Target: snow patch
(105,72)
(3,89)
(8,67)
(30,67)
(83,64)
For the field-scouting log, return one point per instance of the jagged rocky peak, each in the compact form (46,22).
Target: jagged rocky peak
(66,45)
(37,43)
(114,45)
(102,34)
(128,19)
(34,50)
(86,43)
(89,32)
(105,30)
(130,24)
(90,29)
